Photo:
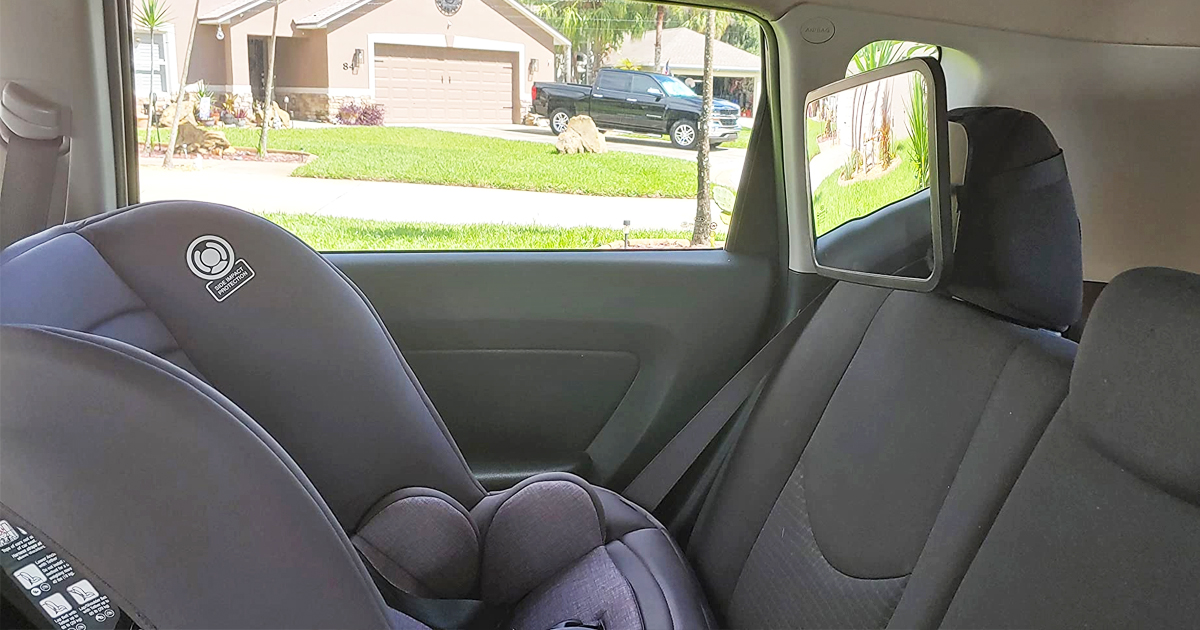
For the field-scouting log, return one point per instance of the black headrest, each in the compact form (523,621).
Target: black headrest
(1018,251)
(1135,388)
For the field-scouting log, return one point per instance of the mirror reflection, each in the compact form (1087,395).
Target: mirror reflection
(869,154)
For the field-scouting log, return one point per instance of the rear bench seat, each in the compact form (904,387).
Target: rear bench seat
(862,485)
(1102,529)
(873,464)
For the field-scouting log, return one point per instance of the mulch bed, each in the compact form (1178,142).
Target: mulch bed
(238,154)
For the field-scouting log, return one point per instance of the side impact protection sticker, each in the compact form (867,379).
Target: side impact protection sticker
(211,258)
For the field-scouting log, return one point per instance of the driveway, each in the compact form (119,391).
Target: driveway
(266,187)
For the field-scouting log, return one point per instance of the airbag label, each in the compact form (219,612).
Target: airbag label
(240,274)
(67,600)
(211,258)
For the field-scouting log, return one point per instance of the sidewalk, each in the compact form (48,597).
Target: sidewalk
(266,187)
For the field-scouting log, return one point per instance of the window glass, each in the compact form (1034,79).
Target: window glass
(402,142)
(619,81)
(150,67)
(675,87)
(886,52)
(643,84)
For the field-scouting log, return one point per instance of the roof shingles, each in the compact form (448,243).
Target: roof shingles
(684,48)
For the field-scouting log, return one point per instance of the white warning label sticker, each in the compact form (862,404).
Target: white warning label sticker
(50,582)
(8,533)
(56,605)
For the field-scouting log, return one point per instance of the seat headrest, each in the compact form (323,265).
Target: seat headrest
(1017,251)
(1135,387)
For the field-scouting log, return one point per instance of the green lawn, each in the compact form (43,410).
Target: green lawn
(743,141)
(341,234)
(836,204)
(427,156)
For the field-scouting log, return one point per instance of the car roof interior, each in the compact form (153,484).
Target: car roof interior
(752,436)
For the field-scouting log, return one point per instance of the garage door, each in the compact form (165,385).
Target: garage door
(427,84)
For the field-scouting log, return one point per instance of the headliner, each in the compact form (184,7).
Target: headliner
(1156,22)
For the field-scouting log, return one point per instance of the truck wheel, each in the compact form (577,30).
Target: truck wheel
(684,134)
(558,120)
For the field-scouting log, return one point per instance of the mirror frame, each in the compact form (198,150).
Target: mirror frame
(941,219)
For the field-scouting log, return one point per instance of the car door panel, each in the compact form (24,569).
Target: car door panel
(578,361)
(572,393)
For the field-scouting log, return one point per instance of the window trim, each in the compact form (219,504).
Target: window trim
(172,68)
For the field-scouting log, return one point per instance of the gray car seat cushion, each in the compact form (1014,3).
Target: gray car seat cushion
(171,476)
(1102,529)
(1136,390)
(91,298)
(423,542)
(556,548)
(591,590)
(351,413)
(539,527)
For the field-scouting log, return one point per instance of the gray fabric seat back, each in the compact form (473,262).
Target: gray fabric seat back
(1102,529)
(294,345)
(888,438)
(165,496)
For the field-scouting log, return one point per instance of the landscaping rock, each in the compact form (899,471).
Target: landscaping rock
(194,138)
(593,141)
(569,141)
(277,117)
(168,113)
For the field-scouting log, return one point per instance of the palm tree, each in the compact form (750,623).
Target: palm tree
(187,63)
(152,16)
(268,105)
(660,15)
(599,26)
(702,226)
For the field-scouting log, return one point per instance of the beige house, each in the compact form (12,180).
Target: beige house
(424,60)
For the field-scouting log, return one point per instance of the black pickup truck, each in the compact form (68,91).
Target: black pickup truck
(632,100)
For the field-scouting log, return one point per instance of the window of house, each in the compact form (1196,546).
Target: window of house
(153,63)
(384,134)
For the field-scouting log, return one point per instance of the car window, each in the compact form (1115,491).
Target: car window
(399,145)
(618,81)
(675,87)
(643,84)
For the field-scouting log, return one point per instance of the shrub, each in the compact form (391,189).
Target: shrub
(371,115)
(885,142)
(853,161)
(918,126)
(348,113)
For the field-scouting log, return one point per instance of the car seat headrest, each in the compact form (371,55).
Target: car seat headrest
(1134,391)
(1017,248)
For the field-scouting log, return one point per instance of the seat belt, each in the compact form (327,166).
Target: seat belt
(33,130)
(441,614)
(657,479)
